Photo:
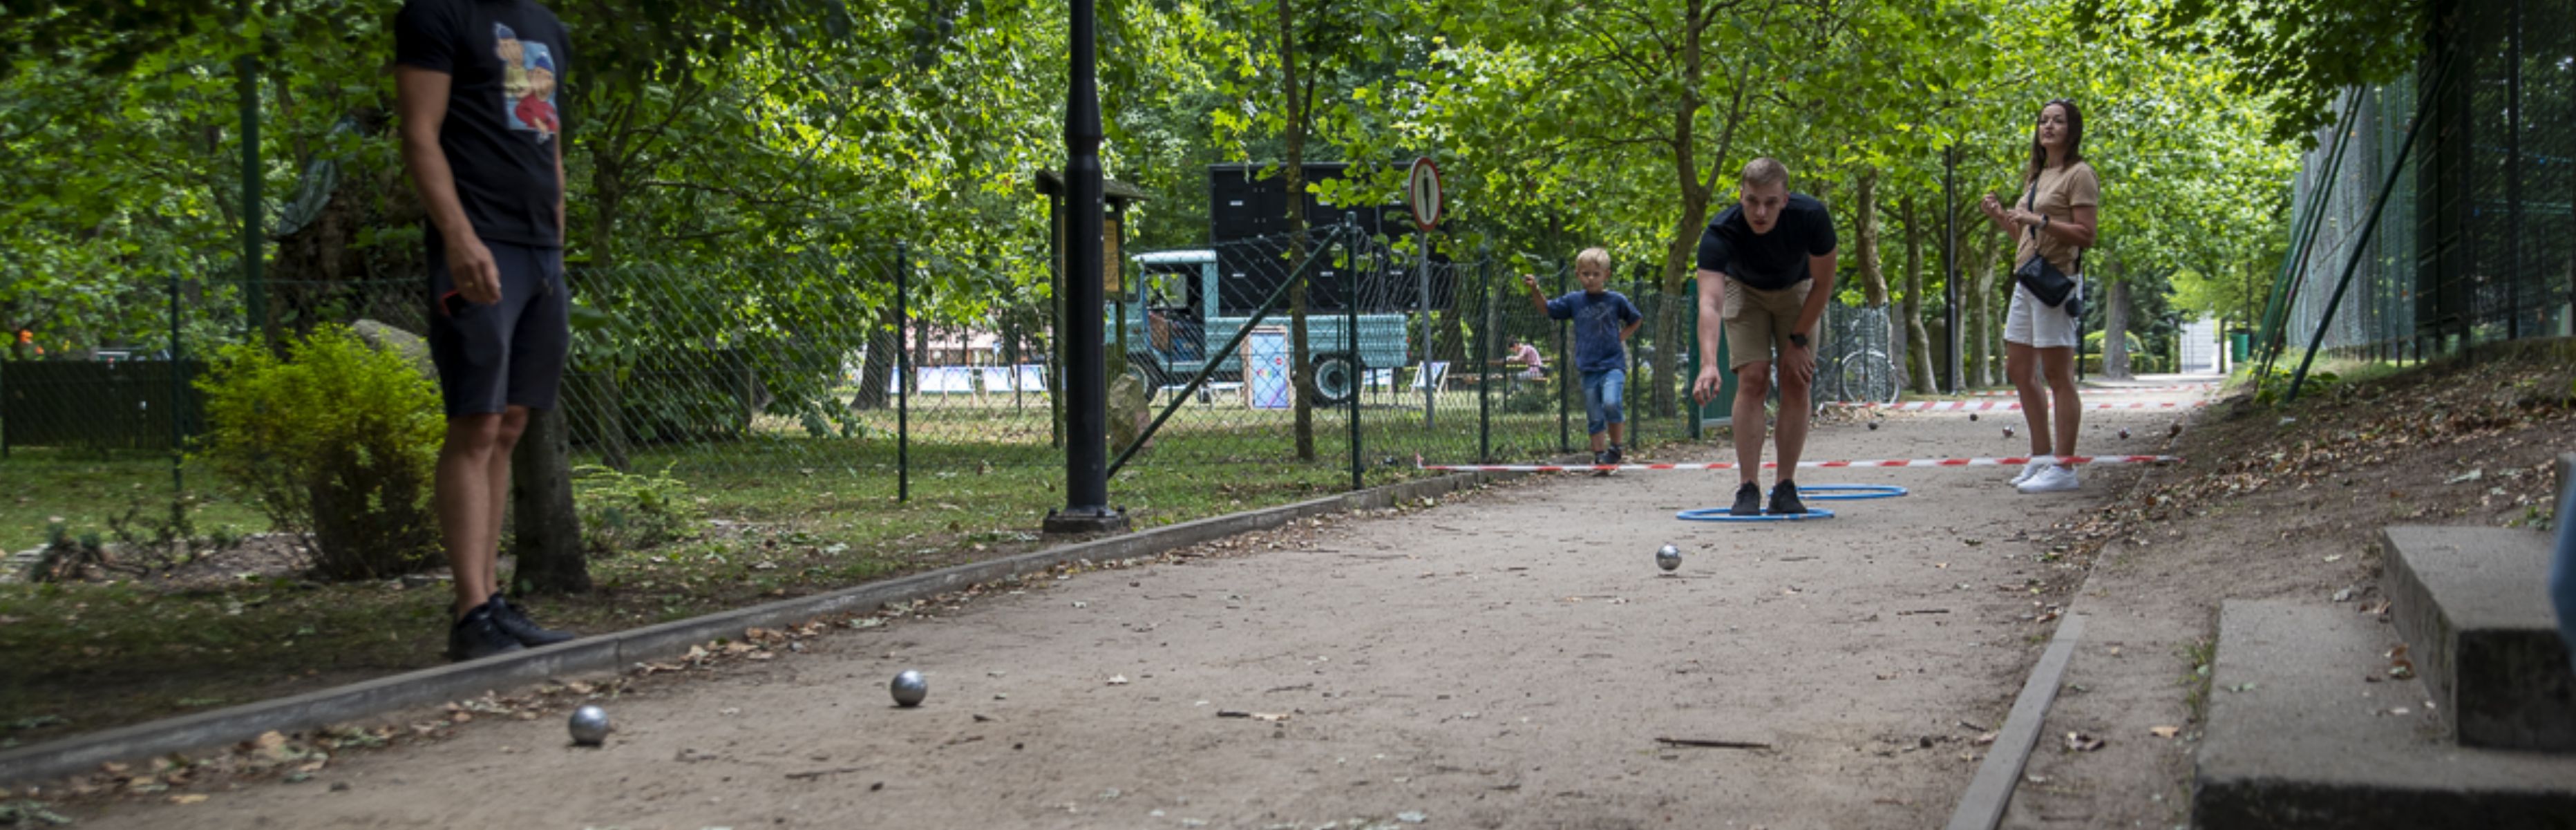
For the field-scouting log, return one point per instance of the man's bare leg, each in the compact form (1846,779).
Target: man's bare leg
(1752,384)
(466,506)
(496,474)
(1796,404)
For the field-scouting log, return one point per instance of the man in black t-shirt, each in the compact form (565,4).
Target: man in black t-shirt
(1766,268)
(475,81)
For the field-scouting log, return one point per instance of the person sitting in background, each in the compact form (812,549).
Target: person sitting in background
(1533,365)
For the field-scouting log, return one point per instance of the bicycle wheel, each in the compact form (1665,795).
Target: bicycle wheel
(1867,377)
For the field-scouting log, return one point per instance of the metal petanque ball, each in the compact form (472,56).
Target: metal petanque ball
(909,688)
(1668,557)
(1972,417)
(2008,432)
(2124,435)
(589,725)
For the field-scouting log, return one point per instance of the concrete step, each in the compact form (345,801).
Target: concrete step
(2473,605)
(2300,736)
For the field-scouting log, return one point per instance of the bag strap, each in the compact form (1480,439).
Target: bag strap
(2030,202)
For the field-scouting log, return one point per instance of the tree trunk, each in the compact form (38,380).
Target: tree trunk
(607,399)
(1300,371)
(1981,304)
(2115,330)
(876,370)
(1919,362)
(546,536)
(1697,190)
(1873,281)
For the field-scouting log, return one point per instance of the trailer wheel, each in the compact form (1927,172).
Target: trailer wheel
(1337,378)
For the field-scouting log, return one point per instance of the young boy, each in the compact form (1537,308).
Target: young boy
(1603,319)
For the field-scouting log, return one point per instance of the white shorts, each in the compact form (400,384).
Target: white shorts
(2031,324)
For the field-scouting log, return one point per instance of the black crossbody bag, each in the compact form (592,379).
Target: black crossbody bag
(2053,287)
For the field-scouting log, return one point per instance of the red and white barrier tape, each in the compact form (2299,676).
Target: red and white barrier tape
(2008,406)
(1768,465)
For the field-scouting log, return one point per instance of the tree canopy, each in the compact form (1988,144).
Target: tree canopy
(709,134)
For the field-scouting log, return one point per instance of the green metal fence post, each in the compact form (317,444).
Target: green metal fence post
(1350,233)
(1484,364)
(1690,359)
(1566,379)
(246,85)
(178,396)
(903,374)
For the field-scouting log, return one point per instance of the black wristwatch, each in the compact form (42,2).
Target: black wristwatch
(1798,339)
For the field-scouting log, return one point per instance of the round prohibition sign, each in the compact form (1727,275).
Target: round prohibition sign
(1422,192)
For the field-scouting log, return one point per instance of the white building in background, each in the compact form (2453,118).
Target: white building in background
(2202,351)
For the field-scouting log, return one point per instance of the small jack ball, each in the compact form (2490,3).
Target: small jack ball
(1972,417)
(2176,430)
(1873,426)
(2008,432)
(1668,557)
(589,725)
(909,688)
(2124,435)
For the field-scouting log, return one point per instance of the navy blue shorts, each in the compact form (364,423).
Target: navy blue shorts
(510,353)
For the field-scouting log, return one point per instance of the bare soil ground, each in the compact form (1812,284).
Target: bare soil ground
(2278,503)
(1507,659)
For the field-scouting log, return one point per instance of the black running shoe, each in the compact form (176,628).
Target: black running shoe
(1614,456)
(1784,499)
(515,623)
(476,636)
(1748,500)
(1599,459)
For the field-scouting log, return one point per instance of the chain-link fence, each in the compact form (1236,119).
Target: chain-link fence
(894,374)
(2435,213)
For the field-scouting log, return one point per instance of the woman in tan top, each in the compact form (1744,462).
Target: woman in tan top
(2053,218)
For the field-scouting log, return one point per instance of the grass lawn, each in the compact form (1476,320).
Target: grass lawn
(791,515)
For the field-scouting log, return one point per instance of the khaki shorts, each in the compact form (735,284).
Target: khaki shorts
(1758,322)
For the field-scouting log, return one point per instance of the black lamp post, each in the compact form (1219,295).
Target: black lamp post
(1086,447)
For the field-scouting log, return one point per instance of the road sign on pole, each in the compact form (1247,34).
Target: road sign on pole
(1422,190)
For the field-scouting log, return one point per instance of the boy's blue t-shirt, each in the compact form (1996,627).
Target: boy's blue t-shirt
(1597,320)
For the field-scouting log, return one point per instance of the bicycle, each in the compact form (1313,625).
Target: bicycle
(1866,376)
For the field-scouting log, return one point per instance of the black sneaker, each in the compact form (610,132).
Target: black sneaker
(1599,459)
(1748,500)
(515,623)
(476,636)
(1614,456)
(1784,499)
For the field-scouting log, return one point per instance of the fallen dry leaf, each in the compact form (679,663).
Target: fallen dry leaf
(2080,742)
(2165,731)
(1118,680)
(188,798)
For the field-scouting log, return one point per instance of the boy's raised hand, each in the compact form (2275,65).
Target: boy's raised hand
(1530,281)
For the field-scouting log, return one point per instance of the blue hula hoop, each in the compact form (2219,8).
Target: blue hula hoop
(1848,492)
(1720,514)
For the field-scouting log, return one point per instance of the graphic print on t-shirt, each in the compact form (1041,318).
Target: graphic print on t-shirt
(527,82)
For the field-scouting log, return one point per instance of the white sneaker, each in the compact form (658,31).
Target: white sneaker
(2032,468)
(2054,478)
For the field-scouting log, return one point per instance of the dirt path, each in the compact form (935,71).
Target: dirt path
(1505,660)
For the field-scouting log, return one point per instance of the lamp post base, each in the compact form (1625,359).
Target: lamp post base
(1085,520)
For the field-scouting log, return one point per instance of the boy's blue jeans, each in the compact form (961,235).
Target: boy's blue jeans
(1601,399)
(2562,574)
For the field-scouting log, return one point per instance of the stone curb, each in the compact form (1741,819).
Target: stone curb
(610,652)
